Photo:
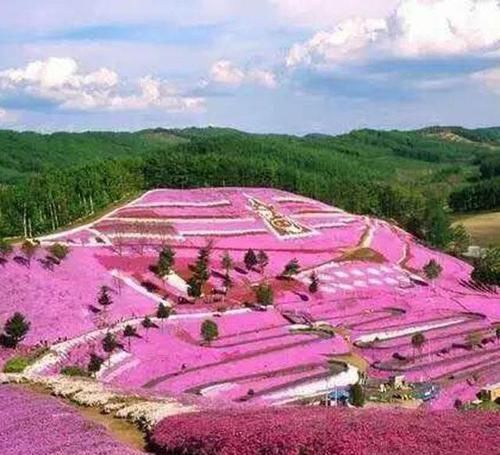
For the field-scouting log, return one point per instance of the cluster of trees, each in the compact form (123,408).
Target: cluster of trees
(484,195)
(487,268)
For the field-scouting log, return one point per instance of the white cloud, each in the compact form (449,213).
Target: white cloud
(416,29)
(444,27)
(61,81)
(347,41)
(227,73)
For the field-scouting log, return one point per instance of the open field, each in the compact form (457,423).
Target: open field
(372,298)
(484,228)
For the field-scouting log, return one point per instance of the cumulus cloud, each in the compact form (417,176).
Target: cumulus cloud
(416,29)
(227,73)
(63,82)
(348,41)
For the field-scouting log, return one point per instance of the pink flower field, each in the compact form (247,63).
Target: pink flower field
(372,298)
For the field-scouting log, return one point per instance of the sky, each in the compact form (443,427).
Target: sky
(283,66)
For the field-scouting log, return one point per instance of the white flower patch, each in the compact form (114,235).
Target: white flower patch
(219,203)
(341,274)
(222,233)
(357,273)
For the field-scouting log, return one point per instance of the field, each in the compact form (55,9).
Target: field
(372,298)
(483,228)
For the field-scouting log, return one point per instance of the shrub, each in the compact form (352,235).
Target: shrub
(16,364)
(264,294)
(59,251)
(209,331)
(74,370)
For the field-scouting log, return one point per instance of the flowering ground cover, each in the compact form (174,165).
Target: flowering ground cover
(372,298)
(318,431)
(32,424)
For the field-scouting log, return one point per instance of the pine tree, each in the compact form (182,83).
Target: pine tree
(250,259)
(95,364)
(200,272)
(129,332)
(264,294)
(163,312)
(109,343)
(16,328)
(104,299)
(227,263)
(314,285)
(166,261)
(262,260)
(147,324)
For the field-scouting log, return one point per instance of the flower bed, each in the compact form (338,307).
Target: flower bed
(308,431)
(35,424)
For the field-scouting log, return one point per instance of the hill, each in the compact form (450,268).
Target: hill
(307,288)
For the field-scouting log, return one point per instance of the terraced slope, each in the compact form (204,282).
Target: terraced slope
(372,298)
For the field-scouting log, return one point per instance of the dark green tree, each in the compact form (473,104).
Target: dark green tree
(166,261)
(314,284)
(487,268)
(264,294)
(209,331)
(15,329)
(129,332)
(262,260)
(95,364)
(147,324)
(291,269)
(109,343)
(163,313)
(250,259)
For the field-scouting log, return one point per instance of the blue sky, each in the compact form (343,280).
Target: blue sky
(288,66)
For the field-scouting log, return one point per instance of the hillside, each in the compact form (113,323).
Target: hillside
(323,296)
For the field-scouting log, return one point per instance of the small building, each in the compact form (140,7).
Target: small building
(398,382)
(491,392)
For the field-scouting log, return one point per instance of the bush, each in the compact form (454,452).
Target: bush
(323,431)
(74,370)
(16,364)
(209,331)
(58,251)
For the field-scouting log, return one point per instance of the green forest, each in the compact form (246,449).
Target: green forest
(416,178)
